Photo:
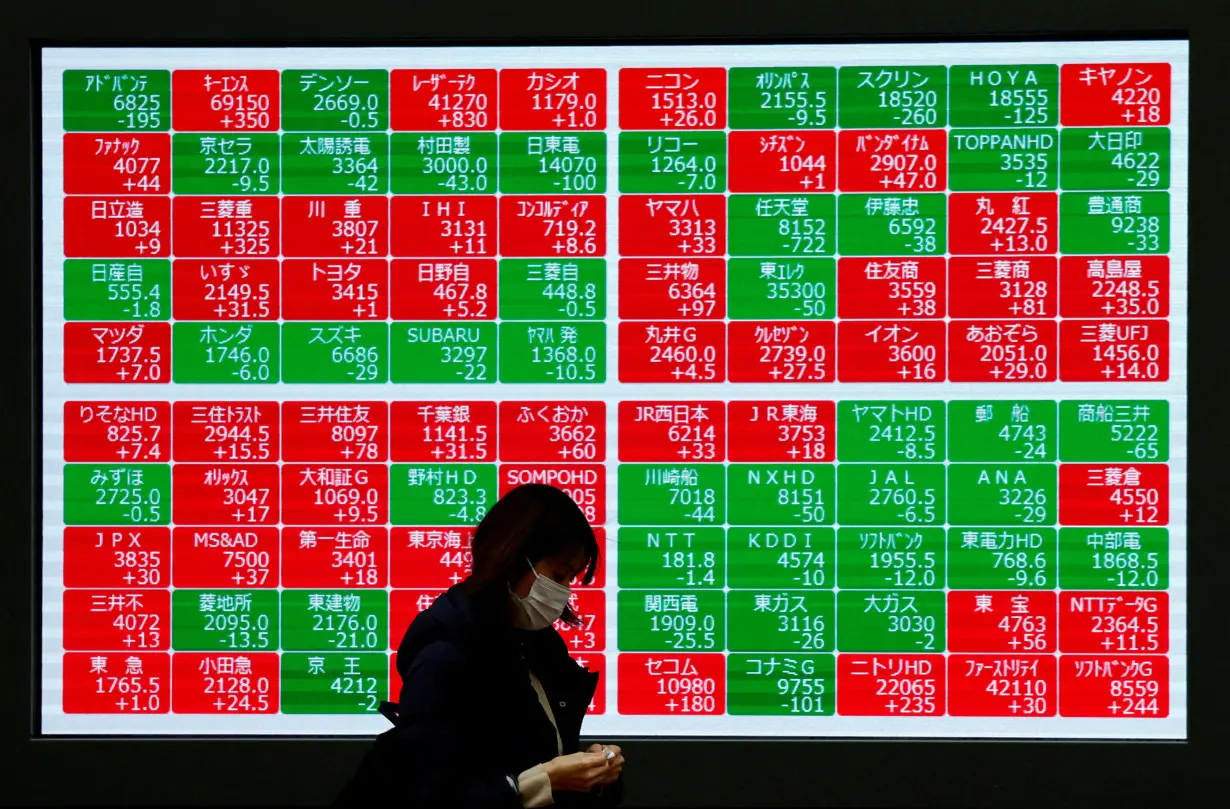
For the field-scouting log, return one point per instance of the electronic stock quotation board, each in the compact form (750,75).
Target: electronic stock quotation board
(866,363)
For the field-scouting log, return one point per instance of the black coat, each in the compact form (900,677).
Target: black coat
(469,718)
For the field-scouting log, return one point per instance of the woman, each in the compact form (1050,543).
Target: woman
(491,702)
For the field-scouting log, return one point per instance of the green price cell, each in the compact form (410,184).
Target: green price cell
(768,557)
(780,621)
(1004,95)
(432,163)
(797,225)
(1001,558)
(552,163)
(224,620)
(442,494)
(117,101)
(117,494)
(218,353)
(657,494)
(892,97)
(443,352)
(334,682)
(1114,558)
(1112,223)
(781,684)
(897,558)
(781,494)
(225,164)
(906,225)
(1115,159)
(1114,431)
(672,558)
(1003,160)
(313,163)
(335,353)
(781,289)
(335,100)
(891,620)
(552,352)
(1002,494)
(552,289)
(672,162)
(1002,430)
(335,620)
(890,494)
(117,289)
(667,621)
(783,97)
(890,431)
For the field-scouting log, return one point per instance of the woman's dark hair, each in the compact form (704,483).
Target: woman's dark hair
(533,522)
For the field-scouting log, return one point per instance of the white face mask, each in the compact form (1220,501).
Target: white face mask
(545,603)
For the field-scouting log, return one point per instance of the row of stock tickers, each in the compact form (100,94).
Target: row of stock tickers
(806,555)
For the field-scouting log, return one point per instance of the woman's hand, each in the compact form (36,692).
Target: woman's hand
(578,772)
(615,764)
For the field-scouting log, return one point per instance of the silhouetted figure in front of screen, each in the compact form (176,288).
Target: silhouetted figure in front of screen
(491,702)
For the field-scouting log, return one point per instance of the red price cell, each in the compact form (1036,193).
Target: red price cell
(596,664)
(1002,685)
(590,635)
(247,289)
(117,620)
(117,353)
(584,483)
(549,98)
(335,431)
(395,681)
(128,227)
(1114,94)
(782,162)
(117,557)
(910,351)
(117,164)
(225,557)
(672,685)
(224,494)
(1002,287)
(649,352)
(666,290)
(447,227)
(1002,224)
(998,621)
(226,227)
(1003,351)
(672,226)
(425,558)
(425,289)
(888,160)
(404,607)
(351,289)
(1114,351)
(230,684)
(1122,686)
(443,431)
(890,685)
(672,98)
(1114,495)
(1109,286)
(335,557)
(127,682)
(552,431)
(785,431)
(225,101)
(782,352)
(226,431)
(879,288)
(552,226)
(336,227)
(1114,623)
(599,569)
(442,100)
(672,431)
(337,494)
(117,431)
